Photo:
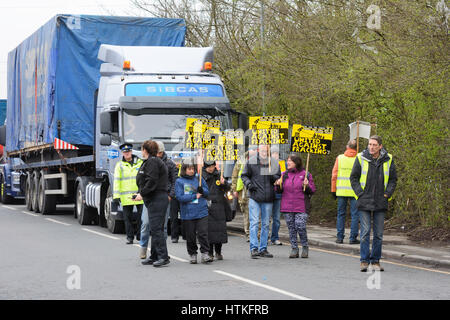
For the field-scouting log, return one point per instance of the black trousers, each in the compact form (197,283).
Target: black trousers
(215,247)
(196,229)
(128,219)
(175,223)
(157,208)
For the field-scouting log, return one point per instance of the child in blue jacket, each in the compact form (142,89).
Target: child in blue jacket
(193,211)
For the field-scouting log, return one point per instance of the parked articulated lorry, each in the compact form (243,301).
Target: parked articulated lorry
(82,85)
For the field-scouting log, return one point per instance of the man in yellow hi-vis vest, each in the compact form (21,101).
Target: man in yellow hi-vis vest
(125,187)
(373,179)
(342,190)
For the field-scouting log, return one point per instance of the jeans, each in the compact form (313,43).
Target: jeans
(342,212)
(378,228)
(257,210)
(145,228)
(275,220)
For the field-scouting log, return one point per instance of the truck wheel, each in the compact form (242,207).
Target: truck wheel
(35,192)
(114,226)
(28,193)
(84,213)
(47,203)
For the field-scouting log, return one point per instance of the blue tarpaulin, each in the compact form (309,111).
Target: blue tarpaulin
(2,111)
(53,74)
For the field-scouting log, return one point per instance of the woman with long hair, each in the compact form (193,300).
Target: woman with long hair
(296,190)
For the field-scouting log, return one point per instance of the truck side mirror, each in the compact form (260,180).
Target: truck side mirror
(105,140)
(106,124)
(3,135)
(243,121)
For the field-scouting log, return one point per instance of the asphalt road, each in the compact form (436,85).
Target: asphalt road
(53,257)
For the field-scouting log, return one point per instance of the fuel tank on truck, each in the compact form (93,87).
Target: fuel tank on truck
(54,73)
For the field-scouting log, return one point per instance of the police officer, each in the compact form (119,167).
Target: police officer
(125,187)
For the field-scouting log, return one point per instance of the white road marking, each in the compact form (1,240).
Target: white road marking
(56,221)
(265,286)
(178,259)
(30,214)
(8,207)
(101,234)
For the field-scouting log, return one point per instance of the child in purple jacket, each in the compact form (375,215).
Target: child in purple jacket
(295,202)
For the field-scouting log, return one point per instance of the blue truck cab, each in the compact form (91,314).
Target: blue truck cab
(10,180)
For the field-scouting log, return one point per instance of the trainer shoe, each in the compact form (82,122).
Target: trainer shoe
(277,243)
(356,241)
(161,262)
(254,254)
(206,258)
(377,267)
(193,259)
(265,254)
(340,241)
(219,256)
(294,253)
(364,266)
(305,252)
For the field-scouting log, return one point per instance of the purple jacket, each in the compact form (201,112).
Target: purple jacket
(293,198)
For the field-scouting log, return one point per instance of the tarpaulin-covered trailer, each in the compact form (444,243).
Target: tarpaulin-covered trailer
(54,73)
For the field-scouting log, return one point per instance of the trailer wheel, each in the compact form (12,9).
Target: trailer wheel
(84,213)
(29,193)
(47,203)
(35,192)
(114,226)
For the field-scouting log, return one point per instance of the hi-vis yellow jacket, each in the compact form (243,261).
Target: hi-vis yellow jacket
(125,181)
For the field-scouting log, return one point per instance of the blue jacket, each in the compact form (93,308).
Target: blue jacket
(186,192)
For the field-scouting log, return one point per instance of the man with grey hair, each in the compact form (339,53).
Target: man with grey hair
(373,179)
(342,190)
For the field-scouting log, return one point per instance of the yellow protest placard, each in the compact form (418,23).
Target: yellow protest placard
(200,133)
(269,130)
(310,139)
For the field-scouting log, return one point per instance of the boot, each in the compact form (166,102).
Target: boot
(305,252)
(143,253)
(294,253)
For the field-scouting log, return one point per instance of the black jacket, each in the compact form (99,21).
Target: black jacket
(217,226)
(372,197)
(152,178)
(172,171)
(259,180)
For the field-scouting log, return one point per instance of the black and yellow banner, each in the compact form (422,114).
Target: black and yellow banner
(269,130)
(310,139)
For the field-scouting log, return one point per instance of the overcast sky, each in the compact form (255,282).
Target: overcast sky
(20,18)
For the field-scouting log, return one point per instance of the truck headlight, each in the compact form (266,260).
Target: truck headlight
(15,178)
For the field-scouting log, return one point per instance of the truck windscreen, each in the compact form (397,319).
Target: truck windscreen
(164,125)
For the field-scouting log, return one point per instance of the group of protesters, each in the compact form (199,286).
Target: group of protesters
(159,188)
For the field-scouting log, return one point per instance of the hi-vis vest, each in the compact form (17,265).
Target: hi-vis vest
(365,168)
(343,185)
(240,183)
(125,181)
